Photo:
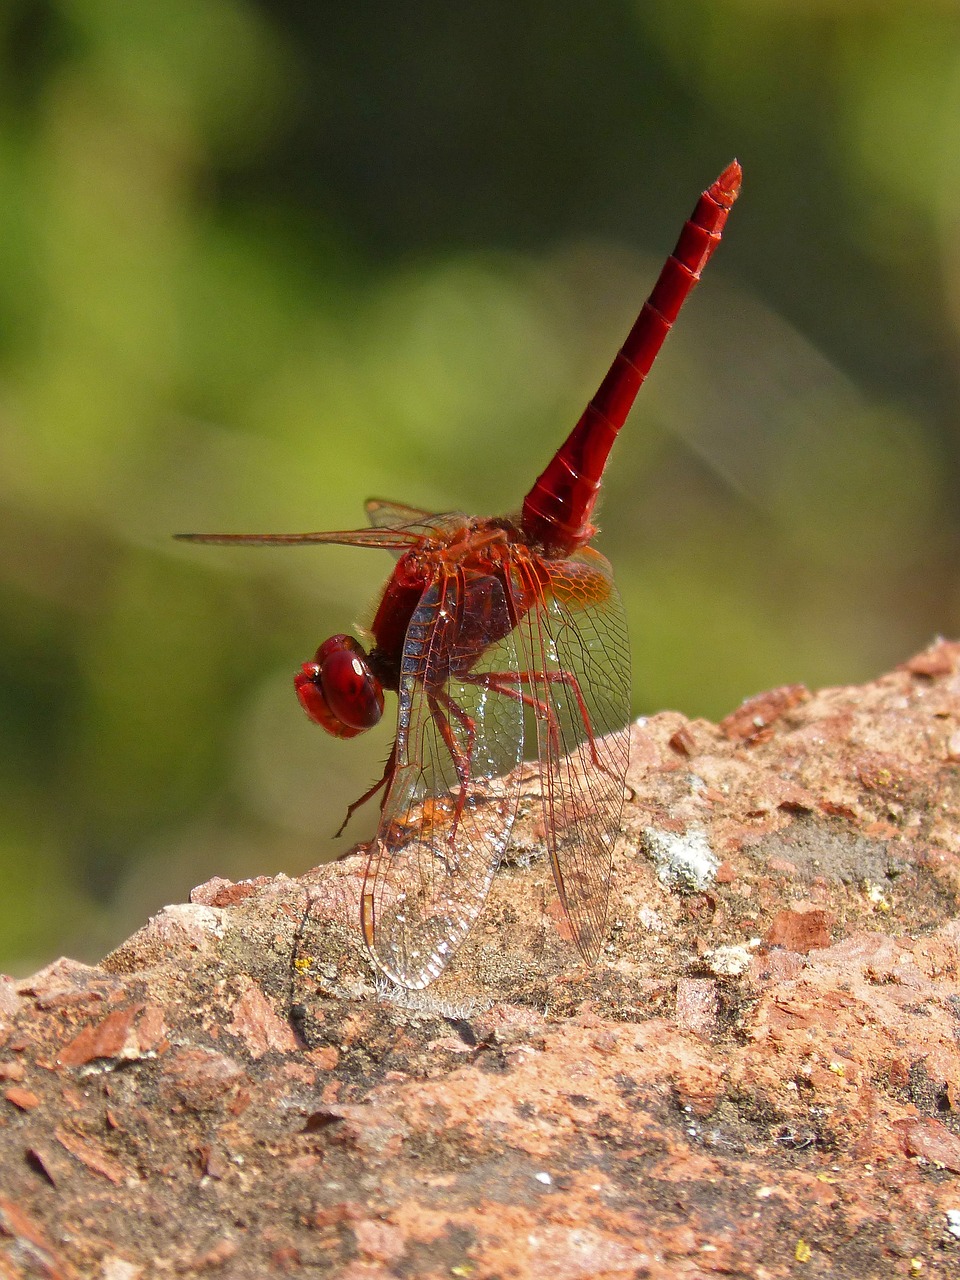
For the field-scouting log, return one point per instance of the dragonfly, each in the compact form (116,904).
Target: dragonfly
(499,635)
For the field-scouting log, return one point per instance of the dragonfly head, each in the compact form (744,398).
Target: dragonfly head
(338,690)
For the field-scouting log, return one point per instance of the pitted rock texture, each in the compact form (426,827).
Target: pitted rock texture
(760,1078)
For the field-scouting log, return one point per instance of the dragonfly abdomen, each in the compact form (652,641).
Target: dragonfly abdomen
(557,511)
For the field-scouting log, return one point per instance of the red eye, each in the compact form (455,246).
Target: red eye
(338,690)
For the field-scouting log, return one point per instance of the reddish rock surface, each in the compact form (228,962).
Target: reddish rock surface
(760,1078)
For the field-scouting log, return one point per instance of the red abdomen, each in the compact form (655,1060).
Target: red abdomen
(557,510)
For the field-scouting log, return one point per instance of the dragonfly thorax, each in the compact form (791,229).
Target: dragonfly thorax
(338,690)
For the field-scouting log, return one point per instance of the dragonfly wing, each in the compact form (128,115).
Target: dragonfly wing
(395,528)
(403,520)
(389,538)
(450,808)
(393,515)
(573,643)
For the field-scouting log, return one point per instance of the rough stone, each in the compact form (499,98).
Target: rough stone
(759,1078)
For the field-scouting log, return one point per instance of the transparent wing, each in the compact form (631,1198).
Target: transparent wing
(573,647)
(395,528)
(393,515)
(449,809)
(398,518)
(391,539)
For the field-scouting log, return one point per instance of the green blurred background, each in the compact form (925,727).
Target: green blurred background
(259,261)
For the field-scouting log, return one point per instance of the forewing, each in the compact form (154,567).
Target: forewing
(449,809)
(573,643)
(383,514)
(395,528)
(388,538)
(399,518)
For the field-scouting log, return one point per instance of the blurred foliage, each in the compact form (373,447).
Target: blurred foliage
(259,261)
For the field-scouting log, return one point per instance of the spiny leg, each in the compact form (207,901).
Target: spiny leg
(462,761)
(388,772)
(500,682)
(496,682)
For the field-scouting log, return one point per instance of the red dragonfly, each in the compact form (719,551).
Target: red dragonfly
(493,631)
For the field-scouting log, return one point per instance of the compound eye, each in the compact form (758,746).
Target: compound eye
(338,690)
(353,692)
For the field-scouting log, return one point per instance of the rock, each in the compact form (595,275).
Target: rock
(759,1076)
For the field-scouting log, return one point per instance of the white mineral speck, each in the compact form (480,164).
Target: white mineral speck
(729,962)
(686,861)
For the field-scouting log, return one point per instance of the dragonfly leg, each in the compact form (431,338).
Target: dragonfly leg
(568,678)
(462,761)
(388,772)
(502,682)
(497,682)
